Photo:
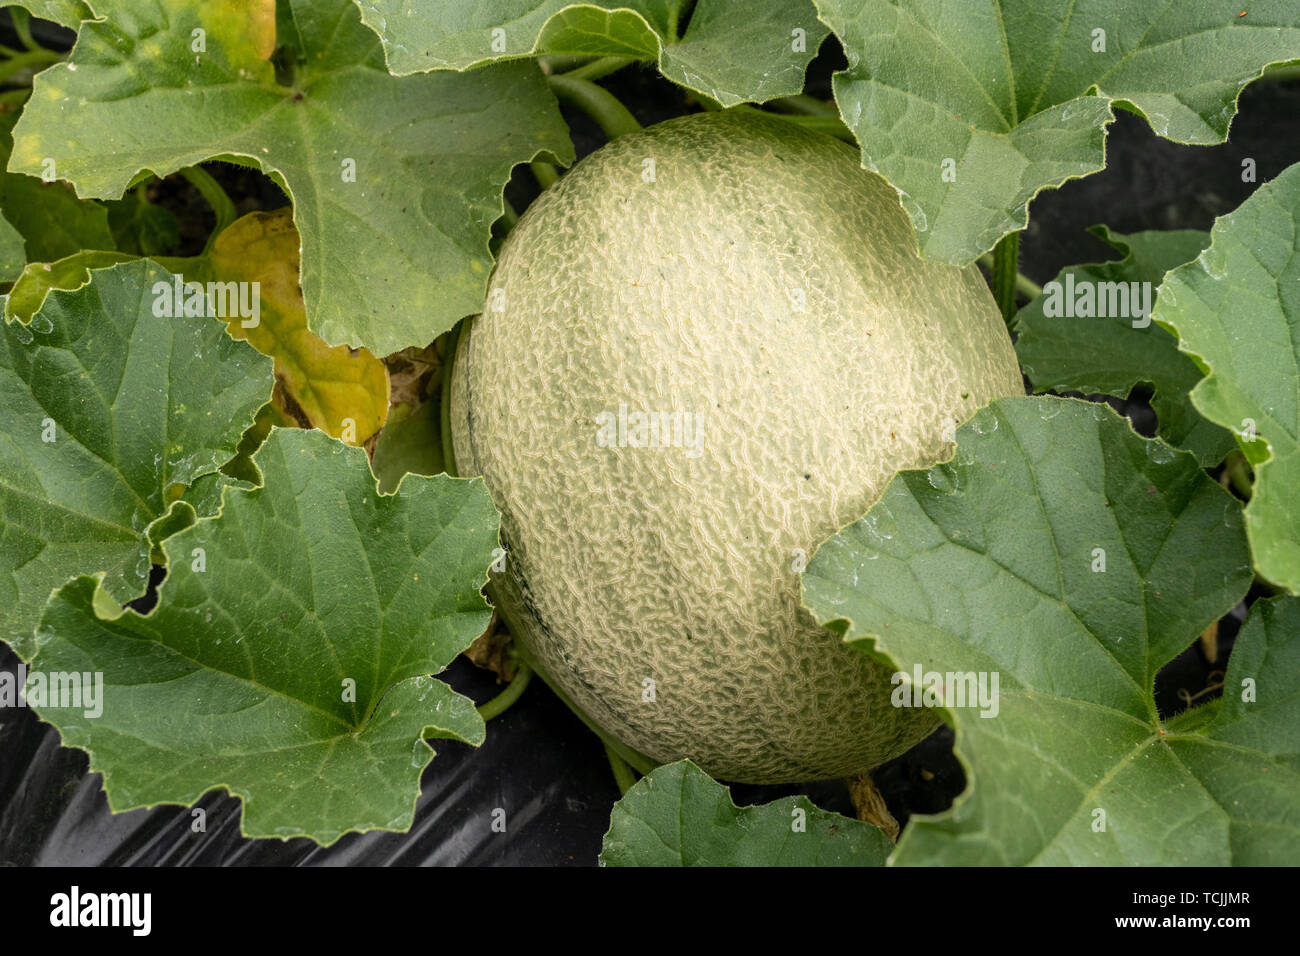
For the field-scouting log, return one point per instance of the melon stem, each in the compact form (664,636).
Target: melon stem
(600,104)
(804,105)
(223,208)
(499,704)
(598,68)
(830,125)
(623,774)
(1024,285)
(1006,266)
(546,173)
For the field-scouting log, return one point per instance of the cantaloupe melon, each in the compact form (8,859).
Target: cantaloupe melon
(740,270)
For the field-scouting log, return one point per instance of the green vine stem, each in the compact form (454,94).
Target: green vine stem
(804,105)
(596,69)
(37,59)
(508,216)
(639,762)
(597,102)
(623,775)
(22,21)
(672,32)
(216,197)
(1024,285)
(552,63)
(545,173)
(830,125)
(499,704)
(1006,265)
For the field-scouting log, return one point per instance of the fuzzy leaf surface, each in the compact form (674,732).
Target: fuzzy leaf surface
(991,565)
(1236,309)
(395,181)
(106,410)
(680,816)
(970,109)
(289,657)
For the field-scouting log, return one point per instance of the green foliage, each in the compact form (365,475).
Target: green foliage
(289,654)
(731,52)
(409,444)
(678,816)
(1016,94)
(141,228)
(108,409)
(47,216)
(1071,559)
(409,169)
(1110,354)
(1236,309)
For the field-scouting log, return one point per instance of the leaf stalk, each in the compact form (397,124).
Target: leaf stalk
(597,102)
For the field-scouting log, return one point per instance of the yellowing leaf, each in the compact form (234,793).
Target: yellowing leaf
(395,181)
(341,392)
(254,19)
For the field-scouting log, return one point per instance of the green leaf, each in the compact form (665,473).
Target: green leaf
(287,660)
(141,228)
(1247,756)
(38,279)
(1236,309)
(991,565)
(754,52)
(52,221)
(423,35)
(680,816)
(13,253)
(343,392)
(390,259)
(409,444)
(205,496)
(108,408)
(1016,94)
(66,13)
(731,52)
(1113,352)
